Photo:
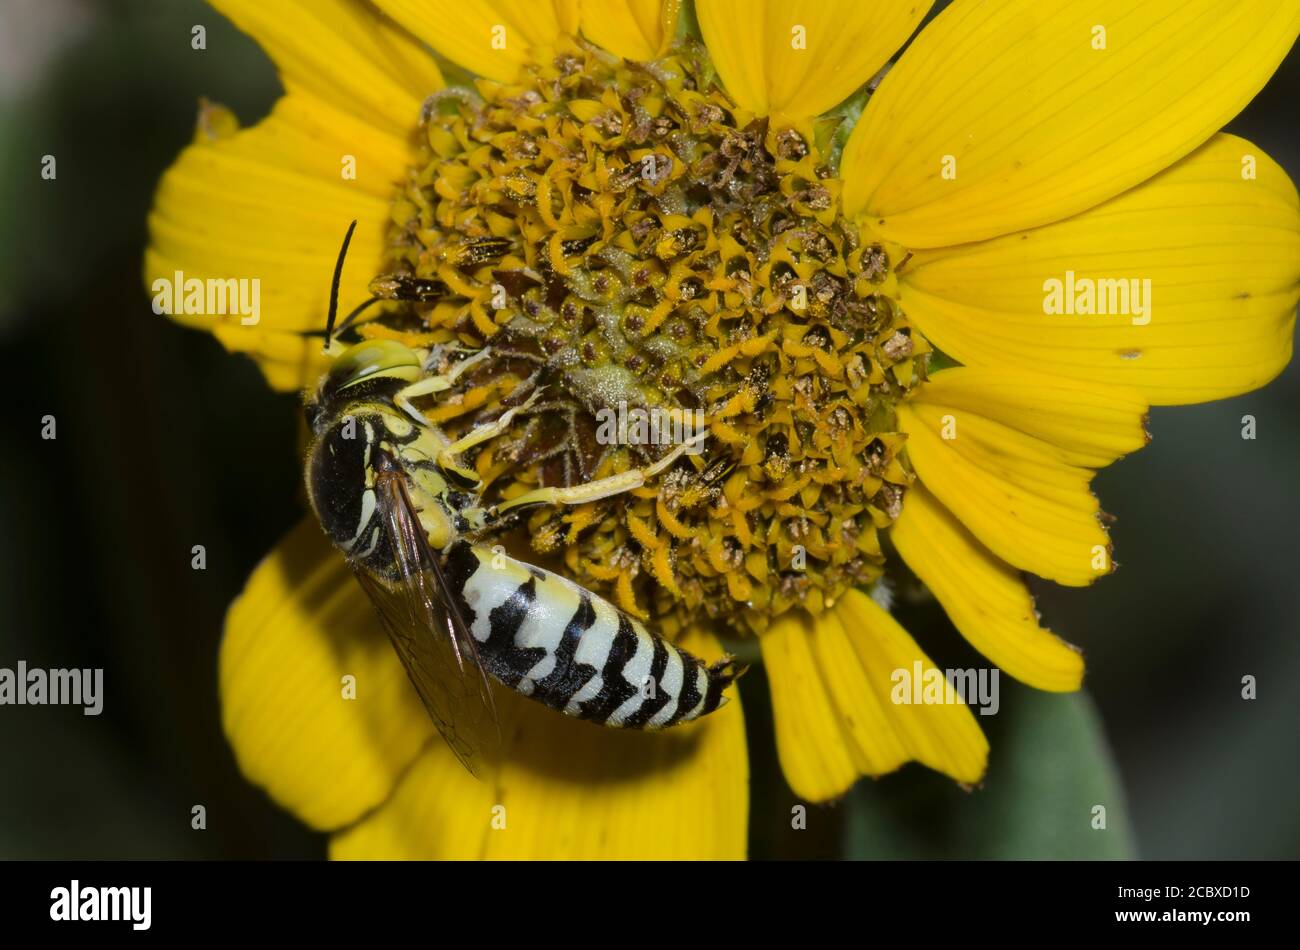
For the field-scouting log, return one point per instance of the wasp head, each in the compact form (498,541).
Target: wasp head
(368,368)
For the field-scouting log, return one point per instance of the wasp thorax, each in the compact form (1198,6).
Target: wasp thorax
(624,235)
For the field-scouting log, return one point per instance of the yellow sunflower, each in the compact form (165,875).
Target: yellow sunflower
(918,312)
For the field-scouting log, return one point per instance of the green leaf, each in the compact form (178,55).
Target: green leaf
(1049,769)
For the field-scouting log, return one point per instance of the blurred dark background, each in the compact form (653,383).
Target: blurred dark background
(165,442)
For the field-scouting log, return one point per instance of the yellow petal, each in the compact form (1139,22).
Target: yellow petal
(341,52)
(987,600)
(572,790)
(1090,425)
(1217,236)
(801,57)
(488,37)
(270,204)
(1015,492)
(633,29)
(1031,123)
(290,362)
(811,741)
(943,736)
(299,628)
(833,682)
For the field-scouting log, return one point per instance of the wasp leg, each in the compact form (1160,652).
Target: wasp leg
(434,384)
(601,488)
(448,455)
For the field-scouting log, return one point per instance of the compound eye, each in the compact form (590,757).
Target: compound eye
(373,357)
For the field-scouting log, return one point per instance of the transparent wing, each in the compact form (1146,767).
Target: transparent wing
(430,636)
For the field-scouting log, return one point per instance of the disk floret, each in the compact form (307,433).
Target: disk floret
(624,236)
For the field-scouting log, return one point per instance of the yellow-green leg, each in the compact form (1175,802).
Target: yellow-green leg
(434,384)
(601,488)
(447,457)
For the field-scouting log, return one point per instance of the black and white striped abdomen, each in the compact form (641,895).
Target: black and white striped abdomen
(553,641)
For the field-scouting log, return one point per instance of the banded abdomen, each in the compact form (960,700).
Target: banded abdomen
(553,641)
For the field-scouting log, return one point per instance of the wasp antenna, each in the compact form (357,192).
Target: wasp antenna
(356,312)
(334,285)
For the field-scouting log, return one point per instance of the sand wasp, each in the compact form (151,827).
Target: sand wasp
(396,497)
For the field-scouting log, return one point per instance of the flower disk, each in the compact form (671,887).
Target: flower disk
(625,237)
